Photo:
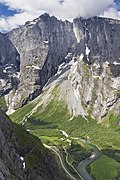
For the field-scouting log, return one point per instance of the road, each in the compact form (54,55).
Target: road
(79,175)
(81,168)
(61,161)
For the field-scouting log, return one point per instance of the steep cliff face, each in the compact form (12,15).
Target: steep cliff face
(22,156)
(9,65)
(87,90)
(43,45)
(46,42)
(100,36)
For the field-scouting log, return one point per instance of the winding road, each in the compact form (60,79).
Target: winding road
(81,168)
(61,161)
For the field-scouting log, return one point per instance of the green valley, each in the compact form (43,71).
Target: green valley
(48,120)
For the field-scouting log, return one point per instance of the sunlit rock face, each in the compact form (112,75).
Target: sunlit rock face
(92,90)
(40,46)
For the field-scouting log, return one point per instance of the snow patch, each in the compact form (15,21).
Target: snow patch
(64,65)
(106,62)
(71,62)
(32,23)
(60,68)
(22,158)
(33,66)
(10,111)
(27,67)
(36,67)
(9,67)
(116,63)
(3,83)
(87,51)
(46,42)
(96,65)
(4,71)
(18,75)
(81,57)
(69,55)
(24,165)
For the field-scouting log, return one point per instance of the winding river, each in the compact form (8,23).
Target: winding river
(96,154)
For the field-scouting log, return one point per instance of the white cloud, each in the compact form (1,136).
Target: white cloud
(30,9)
(112,13)
(9,23)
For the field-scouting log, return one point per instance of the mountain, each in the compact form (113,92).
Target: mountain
(22,155)
(34,52)
(60,80)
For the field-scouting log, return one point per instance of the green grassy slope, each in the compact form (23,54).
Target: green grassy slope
(105,168)
(55,116)
(49,119)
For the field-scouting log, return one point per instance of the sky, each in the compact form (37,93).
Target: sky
(14,13)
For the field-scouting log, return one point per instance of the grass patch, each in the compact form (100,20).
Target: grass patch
(105,168)
(30,146)
(118,94)
(3,105)
(19,114)
(77,153)
(111,120)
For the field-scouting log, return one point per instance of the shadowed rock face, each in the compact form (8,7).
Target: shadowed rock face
(22,156)
(44,43)
(101,36)
(9,64)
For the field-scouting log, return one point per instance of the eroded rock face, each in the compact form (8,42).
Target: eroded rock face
(88,90)
(95,88)
(17,154)
(44,43)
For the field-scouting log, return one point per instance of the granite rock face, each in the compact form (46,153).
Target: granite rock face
(41,45)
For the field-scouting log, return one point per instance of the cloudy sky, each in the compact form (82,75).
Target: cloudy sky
(16,12)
